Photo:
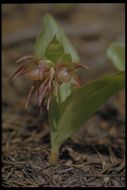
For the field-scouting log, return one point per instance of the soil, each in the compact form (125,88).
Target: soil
(95,155)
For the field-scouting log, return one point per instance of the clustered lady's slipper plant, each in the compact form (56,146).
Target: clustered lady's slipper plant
(52,70)
(47,76)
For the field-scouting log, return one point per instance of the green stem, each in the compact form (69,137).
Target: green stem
(54,156)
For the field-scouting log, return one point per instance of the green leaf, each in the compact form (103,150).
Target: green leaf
(64,91)
(65,58)
(116,52)
(51,29)
(54,50)
(82,103)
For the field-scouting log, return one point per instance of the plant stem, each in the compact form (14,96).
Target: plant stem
(54,156)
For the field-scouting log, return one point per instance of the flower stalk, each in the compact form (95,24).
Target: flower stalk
(54,155)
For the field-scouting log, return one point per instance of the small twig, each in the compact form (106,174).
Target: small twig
(13,169)
(117,162)
(100,157)
(112,155)
(122,165)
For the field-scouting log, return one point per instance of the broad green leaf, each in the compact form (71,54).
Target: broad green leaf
(116,52)
(64,91)
(82,103)
(51,29)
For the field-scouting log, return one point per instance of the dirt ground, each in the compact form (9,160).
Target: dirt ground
(95,155)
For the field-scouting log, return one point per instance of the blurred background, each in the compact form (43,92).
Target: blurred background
(91,28)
